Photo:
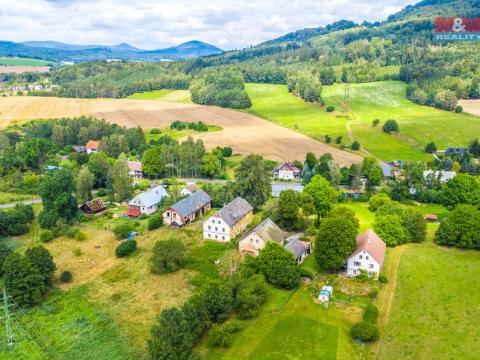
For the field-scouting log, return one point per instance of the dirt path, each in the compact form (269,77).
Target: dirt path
(471,106)
(245,133)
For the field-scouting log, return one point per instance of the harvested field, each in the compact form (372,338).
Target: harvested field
(245,133)
(23,69)
(471,106)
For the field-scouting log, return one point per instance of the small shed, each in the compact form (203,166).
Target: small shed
(431,218)
(93,207)
(325,293)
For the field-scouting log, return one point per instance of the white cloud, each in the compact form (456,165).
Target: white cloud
(155,24)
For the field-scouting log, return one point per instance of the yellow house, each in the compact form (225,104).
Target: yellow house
(228,222)
(253,241)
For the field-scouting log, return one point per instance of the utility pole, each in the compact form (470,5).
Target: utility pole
(6,318)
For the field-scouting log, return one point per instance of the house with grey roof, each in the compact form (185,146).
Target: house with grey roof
(229,222)
(187,210)
(299,249)
(254,240)
(147,202)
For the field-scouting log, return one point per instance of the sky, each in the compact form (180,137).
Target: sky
(154,24)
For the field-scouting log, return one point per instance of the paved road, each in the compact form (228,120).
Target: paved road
(26,202)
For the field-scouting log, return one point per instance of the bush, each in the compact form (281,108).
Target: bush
(371,313)
(338,140)
(330,108)
(377,201)
(102,192)
(311,231)
(125,248)
(66,277)
(375,122)
(365,331)
(430,148)
(222,336)
(168,256)
(227,151)
(355,145)
(46,236)
(122,231)
(304,273)
(458,109)
(328,139)
(155,221)
(155,131)
(77,251)
(390,126)
(382,278)
(80,236)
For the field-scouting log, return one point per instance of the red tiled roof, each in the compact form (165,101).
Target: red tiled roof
(289,166)
(133,212)
(92,144)
(371,242)
(134,165)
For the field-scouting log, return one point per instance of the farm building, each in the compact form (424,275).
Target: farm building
(187,210)
(286,171)
(135,169)
(299,249)
(229,221)
(189,189)
(94,207)
(442,176)
(255,239)
(92,146)
(278,188)
(368,256)
(147,202)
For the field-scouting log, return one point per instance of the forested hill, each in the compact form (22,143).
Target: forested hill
(431,8)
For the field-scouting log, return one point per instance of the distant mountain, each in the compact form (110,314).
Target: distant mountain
(57,51)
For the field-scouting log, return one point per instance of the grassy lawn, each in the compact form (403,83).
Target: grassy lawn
(6,197)
(435,307)
(380,100)
(24,62)
(163,94)
(66,326)
(293,326)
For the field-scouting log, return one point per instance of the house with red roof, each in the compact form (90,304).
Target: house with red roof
(286,171)
(92,146)
(369,255)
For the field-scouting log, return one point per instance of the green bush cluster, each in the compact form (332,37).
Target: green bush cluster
(125,248)
(182,125)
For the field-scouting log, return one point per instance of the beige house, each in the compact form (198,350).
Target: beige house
(253,241)
(229,221)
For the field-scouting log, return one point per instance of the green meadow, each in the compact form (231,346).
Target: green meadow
(379,100)
(25,62)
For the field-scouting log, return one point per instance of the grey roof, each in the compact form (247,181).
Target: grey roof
(192,203)
(268,231)
(150,197)
(234,211)
(296,247)
(386,169)
(278,188)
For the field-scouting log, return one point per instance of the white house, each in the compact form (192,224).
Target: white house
(147,202)
(135,169)
(228,222)
(442,176)
(286,171)
(368,256)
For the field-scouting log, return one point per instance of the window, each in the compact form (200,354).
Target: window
(257,241)
(357,263)
(216,237)
(216,229)
(174,215)
(361,256)
(370,273)
(209,227)
(251,240)
(367,257)
(370,266)
(223,237)
(168,213)
(223,229)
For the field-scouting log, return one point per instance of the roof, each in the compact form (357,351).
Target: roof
(268,231)
(287,165)
(234,211)
(451,150)
(133,212)
(134,165)
(369,241)
(150,197)
(386,169)
(79,148)
(296,247)
(192,203)
(431,217)
(192,187)
(278,188)
(443,175)
(95,205)
(92,144)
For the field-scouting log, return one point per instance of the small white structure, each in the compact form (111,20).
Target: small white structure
(286,171)
(442,176)
(325,293)
(368,256)
(189,189)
